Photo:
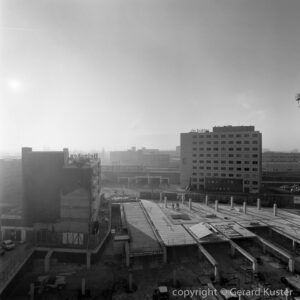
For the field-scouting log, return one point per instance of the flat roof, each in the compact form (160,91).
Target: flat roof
(171,234)
(142,238)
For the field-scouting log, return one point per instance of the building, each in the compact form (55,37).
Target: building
(227,159)
(42,173)
(280,161)
(143,157)
(49,174)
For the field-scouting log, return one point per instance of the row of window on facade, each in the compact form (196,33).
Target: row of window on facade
(226,149)
(246,182)
(230,169)
(247,142)
(230,162)
(223,136)
(224,155)
(237,175)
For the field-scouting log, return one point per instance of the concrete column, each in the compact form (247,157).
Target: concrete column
(206,199)
(294,245)
(165,201)
(182,198)
(165,258)
(216,206)
(160,197)
(190,204)
(23,235)
(148,180)
(174,278)
(258,203)
(217,274)
(83,286)
(291,265)
(264,248)
(254,266)
(275,209)
(127,257)
(231,202)
(31,291)
(88,260)
(130,281)
(245,207)
(232,251)
(47,261)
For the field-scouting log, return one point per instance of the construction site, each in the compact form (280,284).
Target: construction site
(171,249)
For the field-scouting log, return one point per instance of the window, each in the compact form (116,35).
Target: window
(201,168)
(254,142)
(254,149)
(194,167)
(208,168)
(223,168)
(201,143)
(230,149)
(223,142)
(223,175)
(254,155)
(194,136)
(223,135)
(208,149)
(238,142)
(230,135)
(208,142)
(194,161)
(254,169)
(216,142)
(247,182)
(230,155)
(216,149)
(194,149)
(201,155)
(239,169)
(201,149)
(238,155)
(246,169)
(230,142)
(246,142)
(194,173)
(254,135)
(194,143)
(246,135)
(216,155)
(223,149)
(201,161)
(208,174)
(230,175)
(208,155)
(216,174)
(216,162)
(246,149)
(201,136)
(255,182)
(216,136)
(238,149)
(231,162)
(255,162)
(208,136)
(238,135)
(230,168)
(194,155)
(238,162)
(208,161)
(216,168)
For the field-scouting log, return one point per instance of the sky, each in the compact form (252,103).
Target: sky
(112,74)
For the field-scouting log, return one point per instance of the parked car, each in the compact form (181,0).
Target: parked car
(2,251)
(8,245)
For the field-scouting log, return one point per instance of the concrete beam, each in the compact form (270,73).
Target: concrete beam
(246,254)
(284,253)
(212,261)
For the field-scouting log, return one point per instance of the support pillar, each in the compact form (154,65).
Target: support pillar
(291,265)
(231,202)
(130,281)
(245,207)
(47,261)
(254,266)
(216,273)
(275,209)
(127,256)
(88,260)
(232,251)
(83,286)
(174,278)
(258,204)
(182,198)
(165,201)
(165,258)
(206,200)
(294,245)
(190,204)
(160,197)
(216,206)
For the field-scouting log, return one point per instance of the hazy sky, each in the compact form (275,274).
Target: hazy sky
(116,73)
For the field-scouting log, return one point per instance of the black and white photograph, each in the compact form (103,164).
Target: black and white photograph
(150,149)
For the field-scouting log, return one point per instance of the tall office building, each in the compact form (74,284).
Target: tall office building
(228,159)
